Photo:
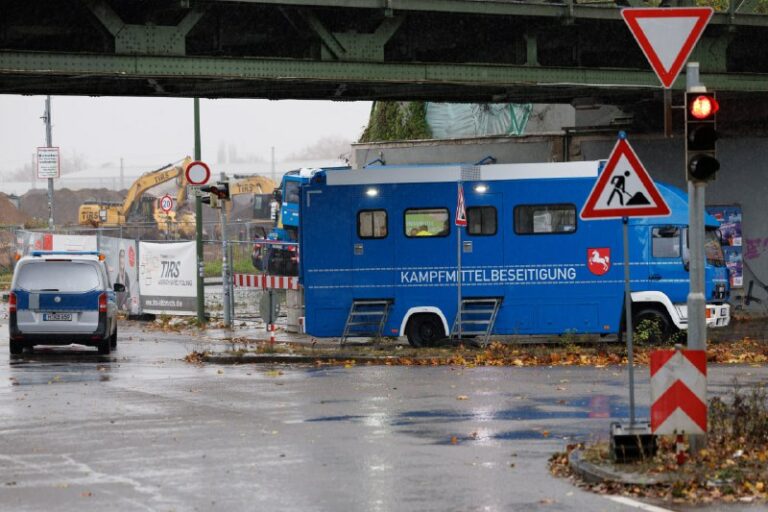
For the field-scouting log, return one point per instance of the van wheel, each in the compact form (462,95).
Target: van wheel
(105,345)
(424,329)
(17,347)
(113,340)
(652,326)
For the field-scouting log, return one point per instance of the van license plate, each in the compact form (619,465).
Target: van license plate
(57,317)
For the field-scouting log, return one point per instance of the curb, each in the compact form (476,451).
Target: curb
(294,359)
(595,474)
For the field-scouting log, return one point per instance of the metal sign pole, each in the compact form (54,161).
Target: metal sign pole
(199,226)
(49,143)
(458,272)
(628,322)
(225,278)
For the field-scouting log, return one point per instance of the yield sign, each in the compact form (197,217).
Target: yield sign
(624,189)
(667,36)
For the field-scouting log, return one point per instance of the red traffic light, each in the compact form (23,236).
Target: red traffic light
(703,106)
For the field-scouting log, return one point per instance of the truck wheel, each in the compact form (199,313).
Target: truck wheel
(105,346)
(113,340)
(424,330)
(656,326)
(17,347)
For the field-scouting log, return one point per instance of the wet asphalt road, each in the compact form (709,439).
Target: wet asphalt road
(142,430)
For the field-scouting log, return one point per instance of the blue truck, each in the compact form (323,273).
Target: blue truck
(380,255)
(278,252)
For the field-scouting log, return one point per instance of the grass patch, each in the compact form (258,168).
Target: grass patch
(239,266)
(732,467)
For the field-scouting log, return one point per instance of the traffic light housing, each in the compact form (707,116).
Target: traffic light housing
(211,195)
(215,194)
(223,190)
(701,136)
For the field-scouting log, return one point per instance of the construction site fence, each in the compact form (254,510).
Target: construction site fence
(246,301)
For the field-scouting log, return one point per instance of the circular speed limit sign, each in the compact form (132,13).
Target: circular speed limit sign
(166,203)
(198,173)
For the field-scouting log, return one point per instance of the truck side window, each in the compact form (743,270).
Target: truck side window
(427,222)
(538,219)
(372,224)
(481,220)
(665,242)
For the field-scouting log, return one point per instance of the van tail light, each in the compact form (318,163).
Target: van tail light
(103,303)
(709,313)
(12,302)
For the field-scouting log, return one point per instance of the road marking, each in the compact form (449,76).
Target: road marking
(637,504)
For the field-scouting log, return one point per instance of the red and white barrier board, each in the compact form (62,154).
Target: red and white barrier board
(265,282)
(678,392)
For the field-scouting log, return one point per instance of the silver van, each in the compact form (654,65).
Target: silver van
(58,298)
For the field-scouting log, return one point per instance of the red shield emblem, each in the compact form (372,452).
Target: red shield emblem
(599,260)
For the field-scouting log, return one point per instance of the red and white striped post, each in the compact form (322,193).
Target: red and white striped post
(679,394)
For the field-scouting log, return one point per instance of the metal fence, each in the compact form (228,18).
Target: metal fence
(246,302)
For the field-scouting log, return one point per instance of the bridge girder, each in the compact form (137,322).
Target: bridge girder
(440,50)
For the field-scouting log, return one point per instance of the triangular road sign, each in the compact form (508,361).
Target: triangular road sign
(667,36)
(624,189)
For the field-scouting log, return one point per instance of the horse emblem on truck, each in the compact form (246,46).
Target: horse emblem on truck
(599,260)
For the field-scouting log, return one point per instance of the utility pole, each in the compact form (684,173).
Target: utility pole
(273,164)
(49,143)
(122,174)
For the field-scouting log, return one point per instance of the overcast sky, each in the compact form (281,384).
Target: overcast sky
(146,130)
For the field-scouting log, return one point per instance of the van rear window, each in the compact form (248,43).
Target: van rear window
(547,219)
(58,276)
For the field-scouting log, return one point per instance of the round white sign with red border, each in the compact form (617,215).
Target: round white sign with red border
(197,173)
(166,203)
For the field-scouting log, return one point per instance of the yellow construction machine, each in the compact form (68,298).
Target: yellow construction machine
(138,208)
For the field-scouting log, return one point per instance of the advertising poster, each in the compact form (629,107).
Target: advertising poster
(122,264)
(168,278)
(731,240)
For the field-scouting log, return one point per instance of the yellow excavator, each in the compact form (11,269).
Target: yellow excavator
(137,208)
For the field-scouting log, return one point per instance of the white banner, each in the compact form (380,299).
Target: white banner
(123,268)
(168,278)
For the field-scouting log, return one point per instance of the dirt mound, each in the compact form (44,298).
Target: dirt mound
(66,203)
(9,215)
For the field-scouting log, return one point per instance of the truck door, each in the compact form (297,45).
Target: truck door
(482,246)
(666,268)
(482,253)
(373,249)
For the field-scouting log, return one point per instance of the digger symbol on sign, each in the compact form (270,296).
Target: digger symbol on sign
(619,191)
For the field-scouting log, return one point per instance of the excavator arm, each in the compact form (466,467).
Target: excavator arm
(151,179)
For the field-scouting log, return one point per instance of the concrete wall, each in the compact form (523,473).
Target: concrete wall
(539,148)
(742,180)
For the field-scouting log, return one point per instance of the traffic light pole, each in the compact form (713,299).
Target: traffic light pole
(199,227)
(225,277)
(697,322)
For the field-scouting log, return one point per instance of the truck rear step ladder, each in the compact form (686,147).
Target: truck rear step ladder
(478,315)
(366,318)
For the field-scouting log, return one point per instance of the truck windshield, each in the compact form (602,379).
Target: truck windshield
(291,191)
(712,248)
